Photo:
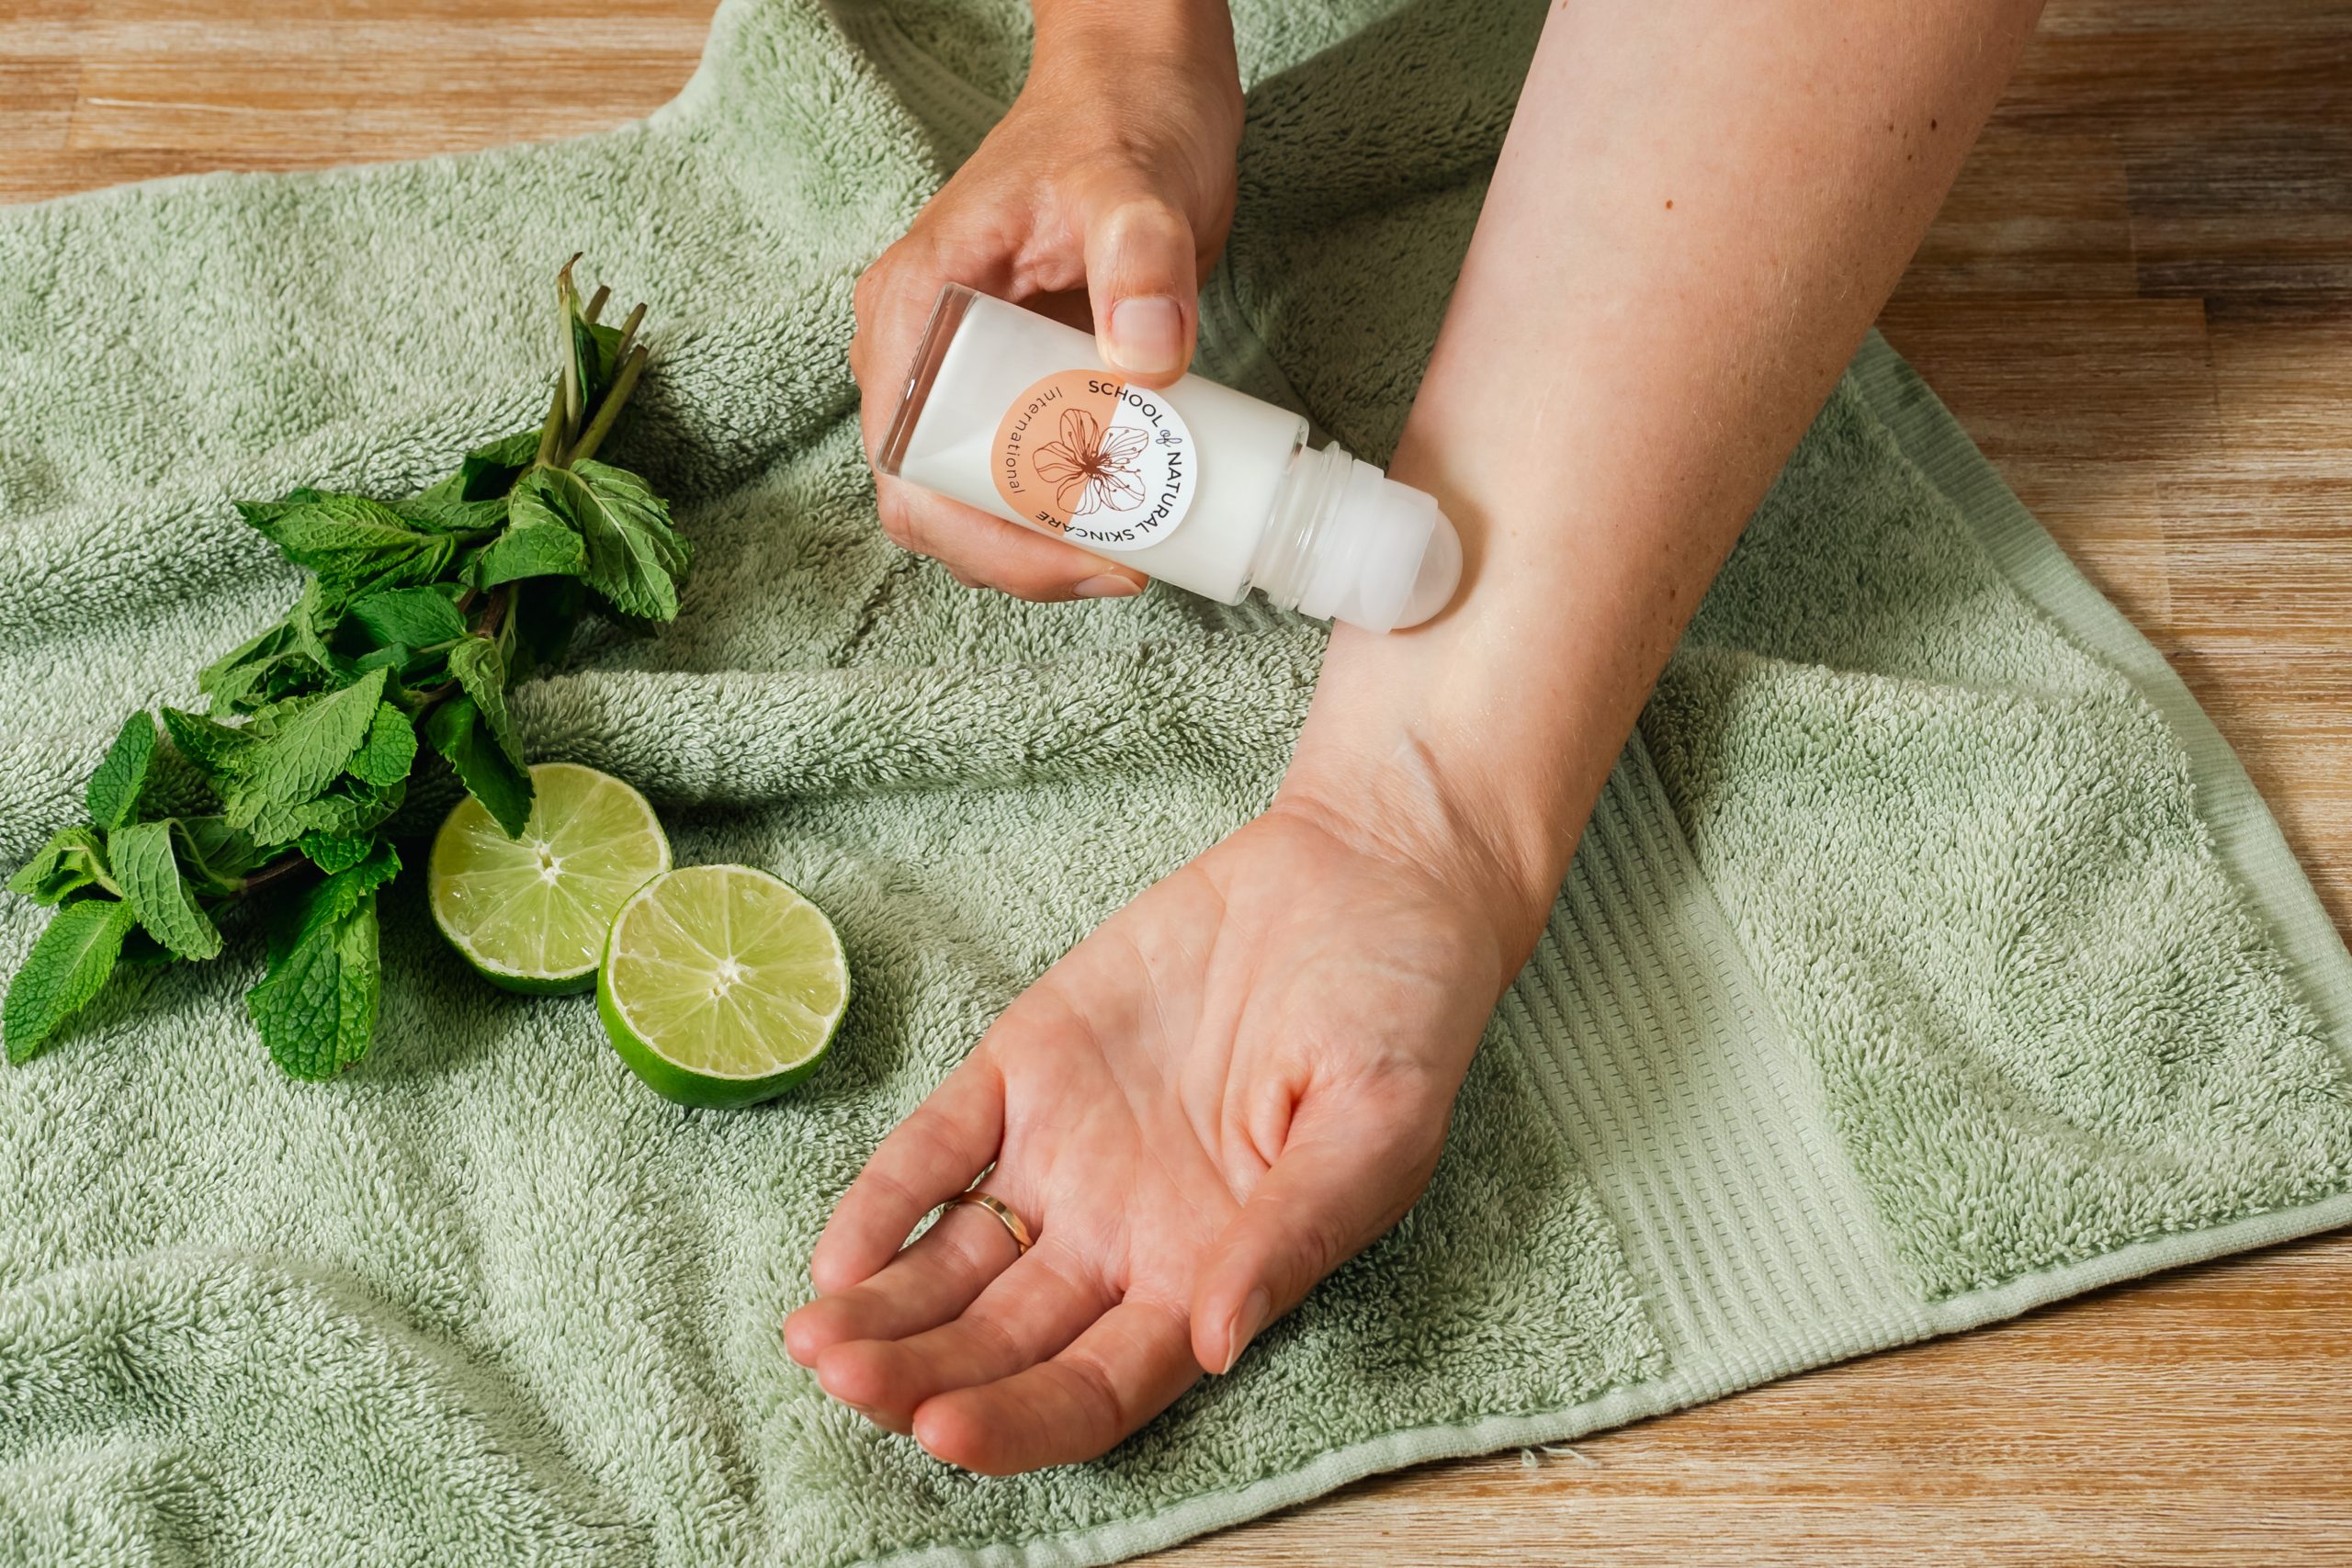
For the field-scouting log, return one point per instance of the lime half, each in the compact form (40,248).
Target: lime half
(721,985)
(530,914)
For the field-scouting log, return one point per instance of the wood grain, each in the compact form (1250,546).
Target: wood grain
(2139,302)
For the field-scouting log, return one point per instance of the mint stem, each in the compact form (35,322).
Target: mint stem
(610,409)
(551,433)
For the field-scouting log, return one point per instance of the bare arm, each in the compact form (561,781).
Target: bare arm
(1697,215)
(1245,1075)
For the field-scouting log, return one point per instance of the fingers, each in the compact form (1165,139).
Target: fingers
(1337,1185)
(1116,1376)
(894,298)
(927,1159)
(1030,1312)
(988,552)
(1142,275)
(922,1288)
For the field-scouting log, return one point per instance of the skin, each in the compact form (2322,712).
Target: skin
(1244,1077)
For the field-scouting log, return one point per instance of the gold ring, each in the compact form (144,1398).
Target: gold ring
(996,1206)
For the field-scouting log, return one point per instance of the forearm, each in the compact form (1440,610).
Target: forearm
(1192,36)
(1697,214)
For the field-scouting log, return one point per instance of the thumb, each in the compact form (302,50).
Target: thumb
(1142,274)
(1332,1191)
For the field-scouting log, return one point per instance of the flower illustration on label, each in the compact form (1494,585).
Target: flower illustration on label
(1103,464)
(1091,468)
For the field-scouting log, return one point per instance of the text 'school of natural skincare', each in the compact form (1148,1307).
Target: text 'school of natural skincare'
(1197,484)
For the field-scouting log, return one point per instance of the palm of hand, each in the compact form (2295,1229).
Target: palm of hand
(1230,1088)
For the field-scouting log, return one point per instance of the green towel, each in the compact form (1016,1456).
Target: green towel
(1928,958)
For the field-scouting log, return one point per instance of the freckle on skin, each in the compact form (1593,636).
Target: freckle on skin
(1669,203)
(1931,125)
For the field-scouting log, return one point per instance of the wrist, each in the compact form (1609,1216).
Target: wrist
(1176,54)
(1409,799)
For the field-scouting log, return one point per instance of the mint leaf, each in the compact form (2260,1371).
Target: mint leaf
(489,471)
(212,746)
(539,619)
(331,852)
(112,794)
(309,744)
(348,807)
(316,1006)
(353,544)
(311,623)
(71,861)
(393,658)
(385,757)
(214,856)
(635,557)
(481,673)
(535,549)
(446,514)
(149,874)
(263,670)
(66,967)
(459,733)
(416,616)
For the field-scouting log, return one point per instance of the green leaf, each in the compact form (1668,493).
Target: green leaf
(459,733)
(535,549)
(149,872)
(353,544)
(393,658)
(312,622)
(113,793)
(65,968)
(350,807)
(481,674)
(538,627)
(309,744)
(71,861)
(489,471)
(214,856)
(446,514)
(594,353)
(390,751)
(215,747)
(263,670)
(418,617)
(635,555)
(316,1006)
(331,852)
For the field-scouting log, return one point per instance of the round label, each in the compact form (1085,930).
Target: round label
(1108,466)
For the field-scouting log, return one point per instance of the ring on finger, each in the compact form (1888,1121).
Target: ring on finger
(1003,1211)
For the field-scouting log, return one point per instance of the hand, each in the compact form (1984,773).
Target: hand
(1113,174)
(1230,1088)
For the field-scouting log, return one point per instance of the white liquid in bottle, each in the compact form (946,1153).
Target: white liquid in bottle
(1201,486)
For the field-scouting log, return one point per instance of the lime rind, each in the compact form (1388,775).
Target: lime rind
(721,985)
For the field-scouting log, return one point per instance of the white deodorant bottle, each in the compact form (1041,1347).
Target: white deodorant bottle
(1202,487)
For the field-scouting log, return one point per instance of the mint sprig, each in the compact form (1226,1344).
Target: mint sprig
(417,615)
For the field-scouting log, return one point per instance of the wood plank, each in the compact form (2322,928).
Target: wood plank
(2171,1422)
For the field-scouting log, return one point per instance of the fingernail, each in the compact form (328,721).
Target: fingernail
(1246,1325)
(1147,336)
(1110,585)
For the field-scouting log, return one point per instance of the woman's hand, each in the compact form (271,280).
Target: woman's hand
(1113,174)
(1233,1086)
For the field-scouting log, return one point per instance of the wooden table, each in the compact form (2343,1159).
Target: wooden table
(2139,300)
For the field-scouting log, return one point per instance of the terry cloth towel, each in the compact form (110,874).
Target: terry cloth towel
(1928,958)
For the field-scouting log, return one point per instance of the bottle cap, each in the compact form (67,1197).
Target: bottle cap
(1389,557)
